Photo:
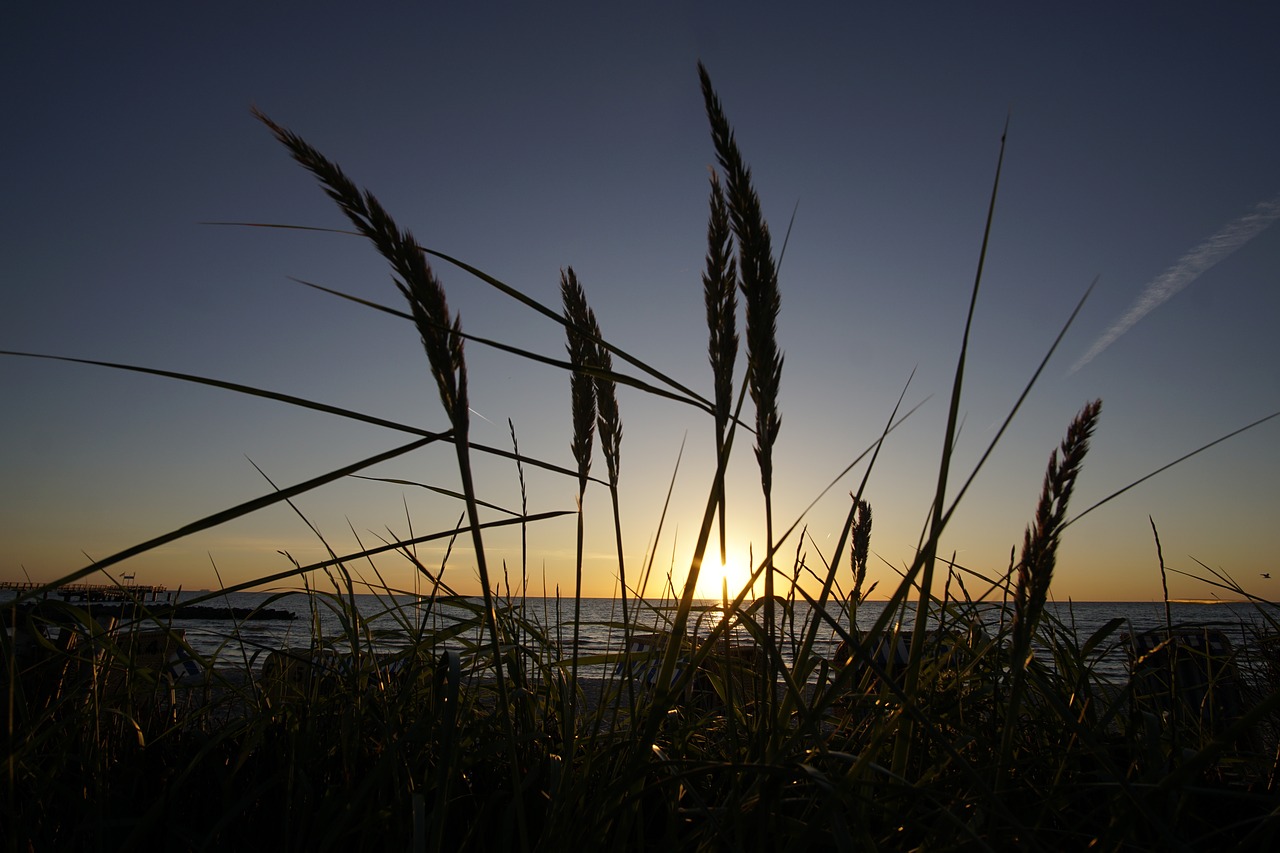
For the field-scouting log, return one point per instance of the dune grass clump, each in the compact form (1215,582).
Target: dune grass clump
(967,715)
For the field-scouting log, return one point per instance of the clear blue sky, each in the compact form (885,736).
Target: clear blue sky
(526,139)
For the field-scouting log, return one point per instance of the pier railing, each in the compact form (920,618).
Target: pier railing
(95,591)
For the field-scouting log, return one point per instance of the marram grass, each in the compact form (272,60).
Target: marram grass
(993,730)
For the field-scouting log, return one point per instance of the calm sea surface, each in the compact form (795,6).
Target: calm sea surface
(388,620)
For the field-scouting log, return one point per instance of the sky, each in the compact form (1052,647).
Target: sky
(527,138)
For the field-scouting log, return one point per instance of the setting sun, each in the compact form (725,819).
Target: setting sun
(735,572)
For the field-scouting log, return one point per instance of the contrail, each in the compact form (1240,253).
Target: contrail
(1187,269)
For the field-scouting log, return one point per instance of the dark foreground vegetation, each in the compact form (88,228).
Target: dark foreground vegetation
(981,724)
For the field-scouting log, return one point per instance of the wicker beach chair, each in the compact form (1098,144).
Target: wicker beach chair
(162,651)
(732,672)
(52,657)
(879,663)
(1187,678)
(888,657)
(642,662)
(292,675)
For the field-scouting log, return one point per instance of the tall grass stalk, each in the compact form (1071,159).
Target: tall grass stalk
(441,337)
(928,552)
(1164,578)
(583,392)
(758,278)
(609,425)
(858,554)
(720,292)
(1039,555)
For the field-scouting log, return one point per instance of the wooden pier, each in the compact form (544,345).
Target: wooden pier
(94,591)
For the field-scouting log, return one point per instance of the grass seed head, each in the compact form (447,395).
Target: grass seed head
(582,356)
(1040,543)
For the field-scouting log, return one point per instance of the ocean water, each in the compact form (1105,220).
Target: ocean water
(389,621)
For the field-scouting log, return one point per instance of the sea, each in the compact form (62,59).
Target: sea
(389,620)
